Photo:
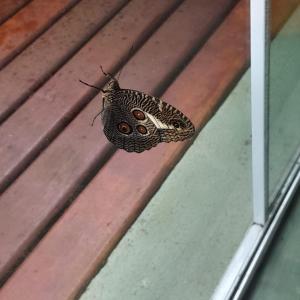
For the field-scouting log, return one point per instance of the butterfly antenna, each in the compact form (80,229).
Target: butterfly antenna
(105,74)
(95,87)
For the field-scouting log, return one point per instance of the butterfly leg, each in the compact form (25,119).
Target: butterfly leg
(98,114)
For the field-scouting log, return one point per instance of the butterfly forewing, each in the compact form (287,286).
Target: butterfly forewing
(123,127)
(135,121)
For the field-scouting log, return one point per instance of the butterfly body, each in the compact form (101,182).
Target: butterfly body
(135,121)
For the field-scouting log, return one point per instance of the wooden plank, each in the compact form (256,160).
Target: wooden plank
(27,75)
(280,12)
(22,136)
(30,69)
(85,220)
(134,184)
(9,8)
(21,29)
(57,103)
(91,227)
(80,150)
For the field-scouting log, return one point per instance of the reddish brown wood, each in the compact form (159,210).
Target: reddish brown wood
(101,214)
(280,11)
(76,161)
(9,7)
(22,135)
(21,29)
(84,236)
(58,96)
(30,69)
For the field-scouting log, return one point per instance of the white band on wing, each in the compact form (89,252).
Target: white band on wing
(158,124)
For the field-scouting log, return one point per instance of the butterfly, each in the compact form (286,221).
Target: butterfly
(135,121)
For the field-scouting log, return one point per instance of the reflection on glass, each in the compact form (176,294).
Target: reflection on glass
(284,105)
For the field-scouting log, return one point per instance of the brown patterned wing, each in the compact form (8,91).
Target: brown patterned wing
(135,121)
(173,124)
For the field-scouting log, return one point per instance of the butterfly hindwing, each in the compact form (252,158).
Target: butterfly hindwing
(175,125)
(127,126)
(135,121)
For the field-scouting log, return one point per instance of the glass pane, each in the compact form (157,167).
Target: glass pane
(284,104)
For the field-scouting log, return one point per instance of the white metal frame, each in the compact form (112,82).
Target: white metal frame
(247,258)
(259,108)
(267,236)
(265,223)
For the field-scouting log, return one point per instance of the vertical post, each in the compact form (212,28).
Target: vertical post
(259,107)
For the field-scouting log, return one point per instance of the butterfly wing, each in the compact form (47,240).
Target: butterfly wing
(135,121)
(124,130)
(173,125)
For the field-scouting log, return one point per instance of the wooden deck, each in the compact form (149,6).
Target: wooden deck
(67,195)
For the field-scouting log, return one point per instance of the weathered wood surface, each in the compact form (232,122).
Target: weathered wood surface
(38,186)
(42,58)
(22,28)
(8,8)
(82,149)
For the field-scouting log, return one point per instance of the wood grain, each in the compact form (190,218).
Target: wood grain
(29,70)
(83,237)
(9,8)
(22,28)
(102,213)
(46,186)
(48,110)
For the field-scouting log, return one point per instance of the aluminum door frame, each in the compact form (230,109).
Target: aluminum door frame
(250,253)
